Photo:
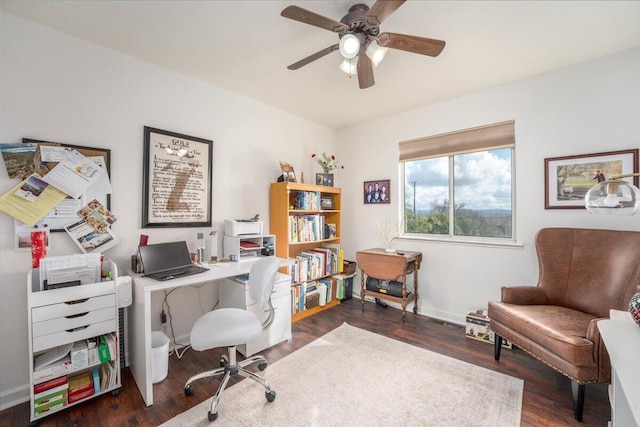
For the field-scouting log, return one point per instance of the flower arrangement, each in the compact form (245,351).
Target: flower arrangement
(327,163)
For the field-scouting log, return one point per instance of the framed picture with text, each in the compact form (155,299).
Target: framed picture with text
(176,180)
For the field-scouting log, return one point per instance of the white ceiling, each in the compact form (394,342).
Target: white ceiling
(245,46)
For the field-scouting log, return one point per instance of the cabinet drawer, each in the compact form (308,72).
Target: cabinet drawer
(61,324)
(280,289)
(65,337)
(72,307)
(71,293)
(280,329)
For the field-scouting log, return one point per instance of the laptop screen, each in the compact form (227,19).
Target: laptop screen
(164,256)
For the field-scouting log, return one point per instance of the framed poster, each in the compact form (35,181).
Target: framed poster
(42,156)
(176,180)
(569,178)
(377,192)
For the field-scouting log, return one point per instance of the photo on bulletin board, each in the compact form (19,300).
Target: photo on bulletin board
(177,180)
(41,157)
(22,234)
(376,192)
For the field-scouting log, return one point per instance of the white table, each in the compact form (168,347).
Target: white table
(140,325)
(622,339)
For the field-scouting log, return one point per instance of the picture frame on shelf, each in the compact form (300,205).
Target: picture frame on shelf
(326,202)
(177,180)
(288,174)
(569,178)
(377,192)
(325,179)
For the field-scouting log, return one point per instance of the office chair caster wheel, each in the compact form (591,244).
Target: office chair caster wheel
(224,360)
(212,417)
(188,391)
(270,395)
(262,366)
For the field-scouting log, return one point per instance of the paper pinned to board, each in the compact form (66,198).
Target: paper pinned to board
(31,199)
(74,174)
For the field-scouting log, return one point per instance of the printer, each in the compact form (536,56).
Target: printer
(234,227)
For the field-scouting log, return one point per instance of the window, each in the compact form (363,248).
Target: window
(460,184)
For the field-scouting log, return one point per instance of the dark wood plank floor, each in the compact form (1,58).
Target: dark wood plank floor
(546,402)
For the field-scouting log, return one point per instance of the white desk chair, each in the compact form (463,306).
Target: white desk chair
(229,327)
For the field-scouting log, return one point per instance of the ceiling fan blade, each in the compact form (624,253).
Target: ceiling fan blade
(365,72)
(382,9)
(414,44)
(307,17)
(313,57)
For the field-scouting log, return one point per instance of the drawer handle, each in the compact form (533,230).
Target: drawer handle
(79,328)
(77,301)
(73,316)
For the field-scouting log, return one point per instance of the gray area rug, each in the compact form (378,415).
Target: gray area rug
(354,377)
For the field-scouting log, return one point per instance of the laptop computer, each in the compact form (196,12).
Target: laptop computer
(165,261)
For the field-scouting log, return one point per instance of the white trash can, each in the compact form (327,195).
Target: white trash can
(159,356)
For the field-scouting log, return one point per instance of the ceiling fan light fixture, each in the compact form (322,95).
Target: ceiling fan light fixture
(376,53)
(349,66)
(349,46)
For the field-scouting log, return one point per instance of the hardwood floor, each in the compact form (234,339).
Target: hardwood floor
(546,401)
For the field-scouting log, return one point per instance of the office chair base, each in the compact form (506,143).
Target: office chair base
(231,367)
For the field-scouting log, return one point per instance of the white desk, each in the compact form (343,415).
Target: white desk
(622,339)
(140,326)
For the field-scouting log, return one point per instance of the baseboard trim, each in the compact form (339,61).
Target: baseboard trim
(14,396)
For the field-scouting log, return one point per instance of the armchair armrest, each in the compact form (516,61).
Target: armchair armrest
(600,354)
(524,295)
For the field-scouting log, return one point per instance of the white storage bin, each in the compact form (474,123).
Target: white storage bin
(159,356)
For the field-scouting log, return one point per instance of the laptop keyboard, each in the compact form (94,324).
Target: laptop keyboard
(176,272)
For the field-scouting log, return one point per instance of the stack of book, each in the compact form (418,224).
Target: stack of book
(50,395)
(80,387)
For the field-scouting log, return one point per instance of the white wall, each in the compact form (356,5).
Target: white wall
(589,108)
(57,88)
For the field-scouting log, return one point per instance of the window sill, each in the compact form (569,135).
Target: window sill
(466,241)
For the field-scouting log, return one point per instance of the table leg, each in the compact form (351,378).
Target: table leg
(362,289)
(415,290)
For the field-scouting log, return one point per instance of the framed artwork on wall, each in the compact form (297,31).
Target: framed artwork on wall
(176,180)
(568,178)
(376,192)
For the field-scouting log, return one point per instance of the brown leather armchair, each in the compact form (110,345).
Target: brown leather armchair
(583,273)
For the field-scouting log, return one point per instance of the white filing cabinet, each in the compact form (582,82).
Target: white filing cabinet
(64,316)
(234,294)
(622,339)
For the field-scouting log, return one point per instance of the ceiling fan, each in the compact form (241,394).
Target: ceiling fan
(361,43)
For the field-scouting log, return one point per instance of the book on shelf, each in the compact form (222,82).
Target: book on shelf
(55,394)
(80,386)
(55,370)
(95,373)
(38,389)
(51,406)
(306,228)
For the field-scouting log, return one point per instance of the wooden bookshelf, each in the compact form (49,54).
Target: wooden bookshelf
(285,202)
